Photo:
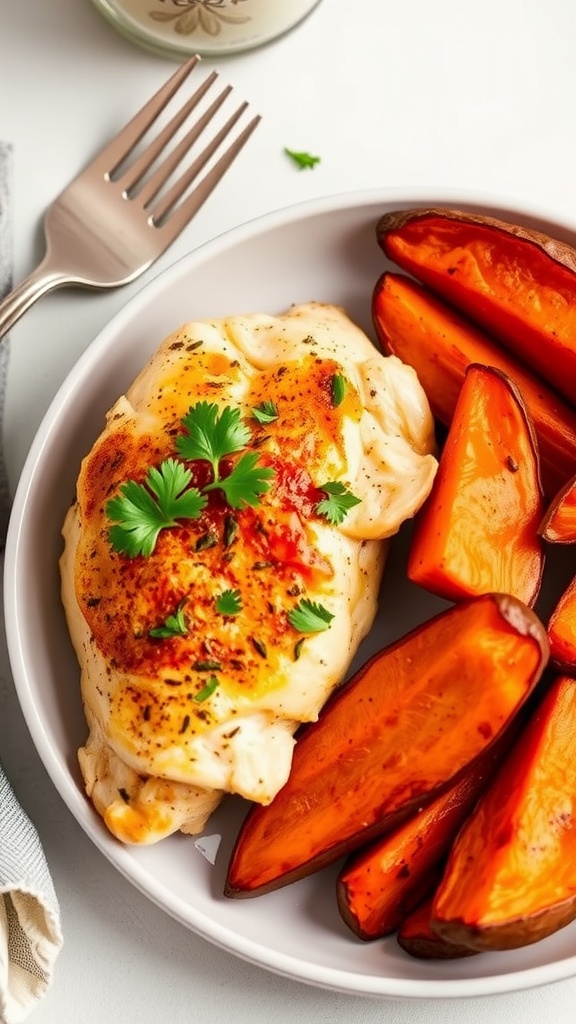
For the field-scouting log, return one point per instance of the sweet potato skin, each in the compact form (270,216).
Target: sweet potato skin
(516,283)
(424,332)
(562,630)
(558,525)
(383,882)
(478,530)
(443,693)
(417,938)
(510,879)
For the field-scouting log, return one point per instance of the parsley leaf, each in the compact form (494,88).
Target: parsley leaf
(230,531)
(302,159)
(266,412)
(212,434)
(338,501)
(229,602)
(207,665)
(206,690)
(310,617)
(245,483)
(173,625)
(339,388)
(141,511)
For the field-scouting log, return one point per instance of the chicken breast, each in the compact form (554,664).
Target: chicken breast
(223,556)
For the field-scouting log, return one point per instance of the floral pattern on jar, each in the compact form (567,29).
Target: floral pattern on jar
(207,16)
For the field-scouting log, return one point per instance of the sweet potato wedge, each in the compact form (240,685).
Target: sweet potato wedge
(416,937)
(510,879)
(478,529)
(440,344)
(385,880)
(401,730)
(562,630)
(559,523)
(559,527)
(516,283)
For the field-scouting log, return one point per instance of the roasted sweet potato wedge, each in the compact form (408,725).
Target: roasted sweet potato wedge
(416,937)
(516,283)
(562,630)
(559,527)
(440,344)
(478,529)
(400,731)
(559,523)
(510,879)
(385,880)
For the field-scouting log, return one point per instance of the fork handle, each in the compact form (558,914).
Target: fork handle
(41,281)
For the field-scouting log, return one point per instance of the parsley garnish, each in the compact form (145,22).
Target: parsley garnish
(246,482)
(173,625)
(230,531)
(141,511)
(229,602)
(206,690)
(298,648)
(259,646)
(338,501)
(266,412)
(205,541)
(303,159)
(211,435)
(309,617)
(339,388)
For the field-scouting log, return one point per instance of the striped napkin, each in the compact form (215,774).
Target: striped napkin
(30,935)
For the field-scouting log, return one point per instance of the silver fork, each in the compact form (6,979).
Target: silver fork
(117,217)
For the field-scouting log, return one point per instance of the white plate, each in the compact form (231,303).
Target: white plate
(324,250)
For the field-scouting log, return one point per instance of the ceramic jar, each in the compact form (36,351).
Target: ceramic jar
(207,27)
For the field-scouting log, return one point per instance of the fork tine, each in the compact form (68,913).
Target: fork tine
(171,225)
(110,158)
(168,201)
(174,158)
(130,178)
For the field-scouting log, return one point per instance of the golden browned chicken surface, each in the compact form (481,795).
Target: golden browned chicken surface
(223,555)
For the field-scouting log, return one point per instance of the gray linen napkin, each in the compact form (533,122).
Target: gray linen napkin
(30,935)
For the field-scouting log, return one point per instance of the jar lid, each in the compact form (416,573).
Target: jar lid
(208,27)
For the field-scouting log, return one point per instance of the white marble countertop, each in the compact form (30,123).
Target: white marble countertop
(437,94)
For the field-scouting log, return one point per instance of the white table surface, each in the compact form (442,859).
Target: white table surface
(449,94)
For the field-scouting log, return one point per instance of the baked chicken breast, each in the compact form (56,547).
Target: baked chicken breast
(223,555)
